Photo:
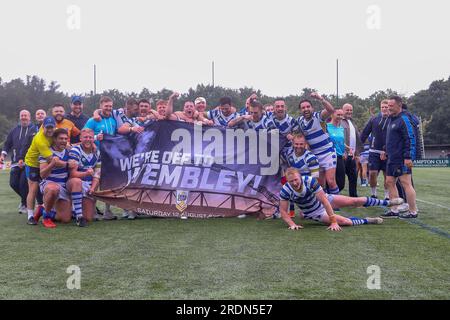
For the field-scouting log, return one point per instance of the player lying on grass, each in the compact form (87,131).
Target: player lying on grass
(316,205)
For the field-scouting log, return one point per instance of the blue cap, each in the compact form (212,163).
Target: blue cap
(77,99)
(49,122)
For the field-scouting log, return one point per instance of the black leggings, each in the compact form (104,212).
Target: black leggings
(340,173)
(350,171)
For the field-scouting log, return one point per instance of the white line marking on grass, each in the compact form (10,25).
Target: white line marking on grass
(434,204)
(429,228)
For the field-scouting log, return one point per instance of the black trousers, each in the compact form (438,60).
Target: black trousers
(350,171)
(340,173)
(19,183)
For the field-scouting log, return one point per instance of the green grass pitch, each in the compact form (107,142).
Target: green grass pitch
(231,258)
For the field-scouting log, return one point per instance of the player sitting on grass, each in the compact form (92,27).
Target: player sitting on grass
(84,162)
(53,186)
(316,205)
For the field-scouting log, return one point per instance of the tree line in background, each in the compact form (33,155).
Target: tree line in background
(34,93)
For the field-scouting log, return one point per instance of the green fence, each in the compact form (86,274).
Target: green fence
(432,162)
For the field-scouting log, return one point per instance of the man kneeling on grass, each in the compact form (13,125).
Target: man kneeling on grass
(317,205)
(84,177)
(54,186)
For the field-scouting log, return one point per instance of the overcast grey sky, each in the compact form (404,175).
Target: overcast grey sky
(278,46)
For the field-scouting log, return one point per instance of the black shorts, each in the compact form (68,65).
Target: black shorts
(397,170)
(33,174)
(375,163)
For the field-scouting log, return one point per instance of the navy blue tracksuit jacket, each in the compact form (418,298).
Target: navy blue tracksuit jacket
(400,139)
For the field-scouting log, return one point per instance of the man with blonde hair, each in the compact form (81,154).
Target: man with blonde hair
(315,204)
(84,176)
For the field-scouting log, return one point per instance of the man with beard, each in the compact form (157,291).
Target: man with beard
(189,114)
(76,116)
(54,174)
(256,119)
(39,148)
(84,177)
(316,205)
(58,114)
(298,157)
(284,122)
(313,125)
(122,118)
(106,124)
(400,151)
(132,113)
(223,115)
(377,127)
(146,114)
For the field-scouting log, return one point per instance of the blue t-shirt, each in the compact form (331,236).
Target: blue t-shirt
(337,136)
(105,126)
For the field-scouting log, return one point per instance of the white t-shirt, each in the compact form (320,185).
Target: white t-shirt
(352,135)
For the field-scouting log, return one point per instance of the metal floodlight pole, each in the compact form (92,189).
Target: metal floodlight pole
(95,79)
(213,74)
(337,83)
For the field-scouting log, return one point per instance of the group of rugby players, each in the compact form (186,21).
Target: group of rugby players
(57,161)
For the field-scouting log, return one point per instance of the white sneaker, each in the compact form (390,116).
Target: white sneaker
(125,214)
(131,215)
(403,208)
(242,216)
(395,202)
(183,217)
(376,220)
(23,209)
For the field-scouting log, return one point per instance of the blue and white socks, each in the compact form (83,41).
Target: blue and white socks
(333,191)
(358,221)
(77,202)
(372,202)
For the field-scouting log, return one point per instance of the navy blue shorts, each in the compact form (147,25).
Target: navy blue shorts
(375,163)
(397,170)
(33,174)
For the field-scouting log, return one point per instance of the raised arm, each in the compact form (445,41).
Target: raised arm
(172,98)
(329,109)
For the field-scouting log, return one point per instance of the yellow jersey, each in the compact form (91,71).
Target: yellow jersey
(40,146)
